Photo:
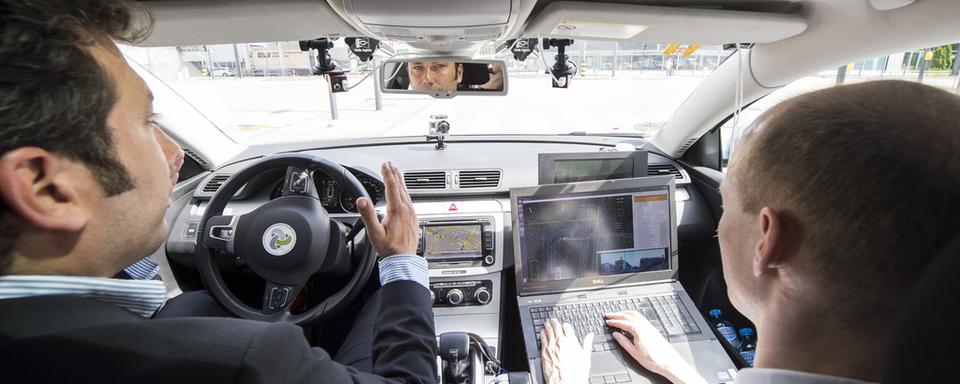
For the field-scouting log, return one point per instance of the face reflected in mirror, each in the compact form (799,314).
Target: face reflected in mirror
(435,75)
(495,71)
(445,76)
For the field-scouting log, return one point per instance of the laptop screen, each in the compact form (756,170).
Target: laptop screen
(593,238)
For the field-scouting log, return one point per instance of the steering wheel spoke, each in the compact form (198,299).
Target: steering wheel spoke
(220,233)
(298,182)
(278,297)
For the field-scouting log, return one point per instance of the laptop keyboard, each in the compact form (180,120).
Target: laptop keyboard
(665,312)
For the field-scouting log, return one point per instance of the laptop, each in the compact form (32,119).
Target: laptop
(584,249)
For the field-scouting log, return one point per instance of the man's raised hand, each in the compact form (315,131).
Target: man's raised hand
(398,232)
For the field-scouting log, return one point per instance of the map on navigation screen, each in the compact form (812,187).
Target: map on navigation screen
(452,241)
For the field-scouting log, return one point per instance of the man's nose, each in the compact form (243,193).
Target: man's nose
(176,162)
(171,151)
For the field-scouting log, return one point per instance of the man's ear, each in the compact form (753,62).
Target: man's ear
(459,73)
(770,249)
(39,187)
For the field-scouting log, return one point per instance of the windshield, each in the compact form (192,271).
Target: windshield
(266,93)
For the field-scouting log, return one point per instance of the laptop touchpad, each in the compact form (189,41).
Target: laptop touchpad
(605,363)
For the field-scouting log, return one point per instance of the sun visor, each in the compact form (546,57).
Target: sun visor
(225,22)
(433,22)
(654,24)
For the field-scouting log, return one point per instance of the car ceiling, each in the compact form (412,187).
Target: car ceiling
(794,38)
(464,23)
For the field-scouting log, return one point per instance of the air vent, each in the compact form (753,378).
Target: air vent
(664,169)
(479,179)
(215,183)
(193,155)
(688,144)
(425,180)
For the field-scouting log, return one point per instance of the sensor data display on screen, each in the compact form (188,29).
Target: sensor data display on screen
(575,237)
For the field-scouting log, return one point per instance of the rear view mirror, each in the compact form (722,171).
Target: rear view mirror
(444,76)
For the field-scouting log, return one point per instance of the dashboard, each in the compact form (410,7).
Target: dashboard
(333,198)
(460,193)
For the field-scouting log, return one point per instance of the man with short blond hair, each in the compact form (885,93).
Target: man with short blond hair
(834,204)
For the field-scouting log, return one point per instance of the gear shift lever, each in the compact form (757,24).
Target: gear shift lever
(454,351)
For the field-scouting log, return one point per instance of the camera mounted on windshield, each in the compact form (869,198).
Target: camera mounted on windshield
(439,130)
(326,66)
(563,69)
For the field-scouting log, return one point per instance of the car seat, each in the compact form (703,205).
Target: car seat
(924,343)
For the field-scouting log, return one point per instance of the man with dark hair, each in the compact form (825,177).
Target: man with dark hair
(834,204)
(85,179)
(434,75)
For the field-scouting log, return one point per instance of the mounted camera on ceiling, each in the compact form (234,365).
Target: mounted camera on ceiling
(326,66)
(563,69)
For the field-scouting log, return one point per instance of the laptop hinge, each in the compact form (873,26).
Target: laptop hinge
(593,289)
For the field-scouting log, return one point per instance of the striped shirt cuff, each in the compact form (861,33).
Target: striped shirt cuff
(145,269)
(404,267)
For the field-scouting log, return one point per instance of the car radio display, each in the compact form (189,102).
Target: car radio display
(453,241)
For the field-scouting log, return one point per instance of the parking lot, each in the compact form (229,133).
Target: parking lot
(277,109)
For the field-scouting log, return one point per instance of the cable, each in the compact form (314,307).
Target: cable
(364,78)
(395,73)
(377,68)
(738,100)
(493,364)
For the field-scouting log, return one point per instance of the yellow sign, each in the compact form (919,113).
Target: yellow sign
(671,49)
(649,198)
(928,56)
(690,49)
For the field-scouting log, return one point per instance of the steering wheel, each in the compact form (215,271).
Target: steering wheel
(284,241)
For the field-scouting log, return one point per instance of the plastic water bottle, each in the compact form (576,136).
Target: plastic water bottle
(724,327)
(748,345)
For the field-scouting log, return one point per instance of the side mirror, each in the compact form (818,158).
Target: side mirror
(444,77)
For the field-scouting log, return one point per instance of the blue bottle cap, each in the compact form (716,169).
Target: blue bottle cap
(714,312)
(746,332)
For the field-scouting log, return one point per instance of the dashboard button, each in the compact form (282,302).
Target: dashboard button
(191,231)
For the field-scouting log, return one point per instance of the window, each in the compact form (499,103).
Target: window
(936,66)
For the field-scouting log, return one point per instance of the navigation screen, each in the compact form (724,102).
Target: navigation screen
(576,237)
(568,171)
(452,241)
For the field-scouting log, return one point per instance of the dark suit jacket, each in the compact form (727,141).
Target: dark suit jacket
(78,340)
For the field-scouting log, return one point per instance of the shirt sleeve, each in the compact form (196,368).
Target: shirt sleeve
(404,267)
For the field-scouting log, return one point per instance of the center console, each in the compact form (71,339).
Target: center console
(462,242)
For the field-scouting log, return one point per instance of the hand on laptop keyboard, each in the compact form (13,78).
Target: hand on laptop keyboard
(650,348)
(562,348)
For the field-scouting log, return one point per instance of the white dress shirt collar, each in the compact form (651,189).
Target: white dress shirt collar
(142,297)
